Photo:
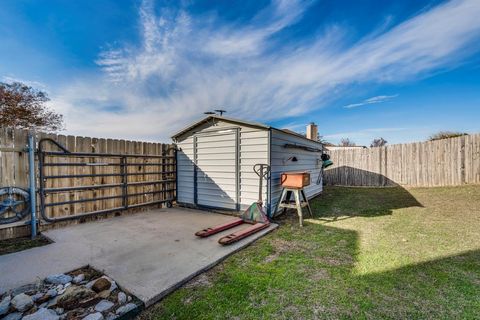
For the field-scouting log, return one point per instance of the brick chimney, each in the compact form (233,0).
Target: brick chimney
(312,131)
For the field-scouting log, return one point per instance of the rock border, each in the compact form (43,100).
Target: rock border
(84,293)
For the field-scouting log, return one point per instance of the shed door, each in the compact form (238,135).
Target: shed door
(217,169)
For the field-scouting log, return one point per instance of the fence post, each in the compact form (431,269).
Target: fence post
(33,189)
(462,160)
(124,171)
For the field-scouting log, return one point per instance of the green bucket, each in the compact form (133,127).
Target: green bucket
(327,163)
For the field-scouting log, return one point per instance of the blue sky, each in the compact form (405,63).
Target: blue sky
(400,70)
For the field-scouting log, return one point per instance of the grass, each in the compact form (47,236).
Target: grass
(19,244)
(368,253)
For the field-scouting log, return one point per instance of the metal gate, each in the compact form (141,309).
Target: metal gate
(58,169)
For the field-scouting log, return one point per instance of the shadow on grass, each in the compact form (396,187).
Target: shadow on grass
(442,288)
(447,287)
(325,258)
(337,203)
(355,177)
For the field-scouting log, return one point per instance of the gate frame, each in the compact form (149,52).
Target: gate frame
(42,190)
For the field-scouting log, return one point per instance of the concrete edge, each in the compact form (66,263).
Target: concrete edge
(174,287)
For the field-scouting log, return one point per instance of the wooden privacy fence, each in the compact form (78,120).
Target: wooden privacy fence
(447,162)
(70,181)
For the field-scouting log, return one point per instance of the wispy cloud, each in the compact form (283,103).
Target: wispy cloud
(186,64)
(372,100)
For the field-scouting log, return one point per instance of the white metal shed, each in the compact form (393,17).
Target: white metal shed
(216,156)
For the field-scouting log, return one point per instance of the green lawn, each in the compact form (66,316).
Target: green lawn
(369,253)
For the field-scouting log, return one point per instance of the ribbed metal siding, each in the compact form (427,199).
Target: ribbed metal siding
(216,159)
(252,148)
(307,161)
(185,170)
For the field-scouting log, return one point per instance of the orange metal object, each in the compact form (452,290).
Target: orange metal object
(295,179)
(235,236)
(240,234)
(219,228)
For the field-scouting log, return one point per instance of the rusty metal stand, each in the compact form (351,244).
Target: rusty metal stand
(285,202)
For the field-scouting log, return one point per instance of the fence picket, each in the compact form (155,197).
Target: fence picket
(446,162)
(14,172)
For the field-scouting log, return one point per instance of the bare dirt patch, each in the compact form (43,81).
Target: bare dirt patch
(319,274)
(203,280)
(19,244)
(282,246)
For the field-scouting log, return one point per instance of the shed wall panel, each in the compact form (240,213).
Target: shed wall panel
(253,150)
(281,162)
(217,179)
(216,156)
(185,179)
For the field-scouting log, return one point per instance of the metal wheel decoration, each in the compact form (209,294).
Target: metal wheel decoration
(13,200)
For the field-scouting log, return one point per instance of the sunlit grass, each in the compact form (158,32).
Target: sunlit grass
(405,226)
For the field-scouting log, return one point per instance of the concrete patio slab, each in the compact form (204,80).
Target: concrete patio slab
(149,254)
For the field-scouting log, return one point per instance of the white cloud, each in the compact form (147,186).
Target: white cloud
(250,40)
(372,100)
(187,64)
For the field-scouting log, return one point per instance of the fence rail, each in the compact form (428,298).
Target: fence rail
(95,169)
(447,162)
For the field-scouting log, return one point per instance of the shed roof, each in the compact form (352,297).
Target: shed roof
(237,121)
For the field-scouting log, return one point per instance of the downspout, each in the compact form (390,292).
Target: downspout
(269,182)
